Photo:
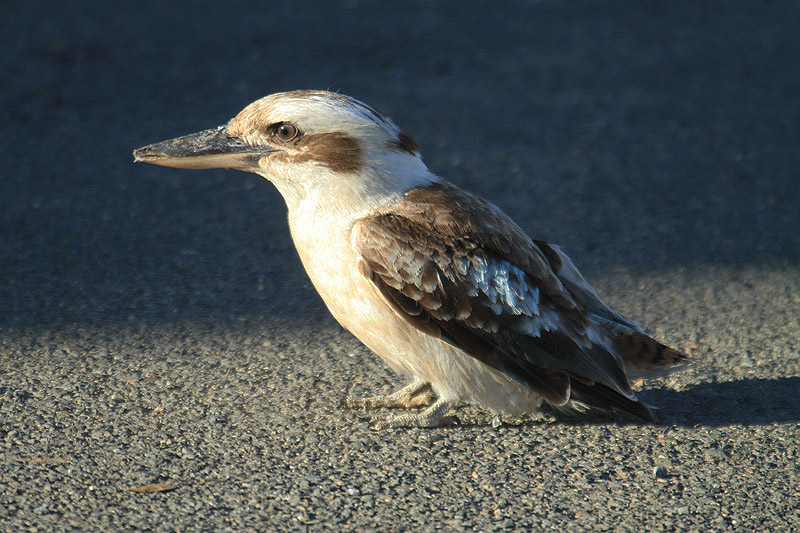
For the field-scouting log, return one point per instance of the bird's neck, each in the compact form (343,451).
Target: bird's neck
(343,198)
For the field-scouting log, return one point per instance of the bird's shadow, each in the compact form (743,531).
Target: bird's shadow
(746,402)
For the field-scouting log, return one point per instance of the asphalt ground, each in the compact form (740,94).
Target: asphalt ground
(157,329)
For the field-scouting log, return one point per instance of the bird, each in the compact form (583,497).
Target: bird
(437,281)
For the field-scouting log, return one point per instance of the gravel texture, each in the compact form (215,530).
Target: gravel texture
(157,331)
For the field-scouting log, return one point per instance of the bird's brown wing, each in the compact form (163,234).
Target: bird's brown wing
(643,355)
(457,268)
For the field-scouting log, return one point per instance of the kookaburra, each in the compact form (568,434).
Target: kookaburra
(438,282)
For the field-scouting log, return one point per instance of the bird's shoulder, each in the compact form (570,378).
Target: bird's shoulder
(442,216)
(441,242)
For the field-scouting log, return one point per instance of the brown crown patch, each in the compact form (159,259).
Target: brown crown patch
(406,143)
(336,150)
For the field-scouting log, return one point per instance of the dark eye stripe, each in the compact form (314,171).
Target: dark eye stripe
(336,150)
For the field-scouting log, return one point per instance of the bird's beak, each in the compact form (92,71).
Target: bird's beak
(212,148)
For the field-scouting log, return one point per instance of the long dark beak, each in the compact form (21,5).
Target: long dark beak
(212,148)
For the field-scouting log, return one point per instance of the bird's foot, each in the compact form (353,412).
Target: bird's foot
(416,394)
(431,417)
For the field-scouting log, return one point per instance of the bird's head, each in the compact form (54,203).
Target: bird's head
(304,141)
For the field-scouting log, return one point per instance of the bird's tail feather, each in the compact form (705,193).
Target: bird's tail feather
(645,357)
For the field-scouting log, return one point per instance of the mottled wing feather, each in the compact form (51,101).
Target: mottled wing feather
(457,268)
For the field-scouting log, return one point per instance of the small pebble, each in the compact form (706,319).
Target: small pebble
(660,472)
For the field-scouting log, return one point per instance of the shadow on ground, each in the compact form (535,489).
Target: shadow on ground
(745,402)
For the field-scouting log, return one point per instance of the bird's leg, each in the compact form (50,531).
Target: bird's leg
(431,417)
(415,394)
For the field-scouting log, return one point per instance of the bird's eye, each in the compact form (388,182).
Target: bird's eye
(286,132)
